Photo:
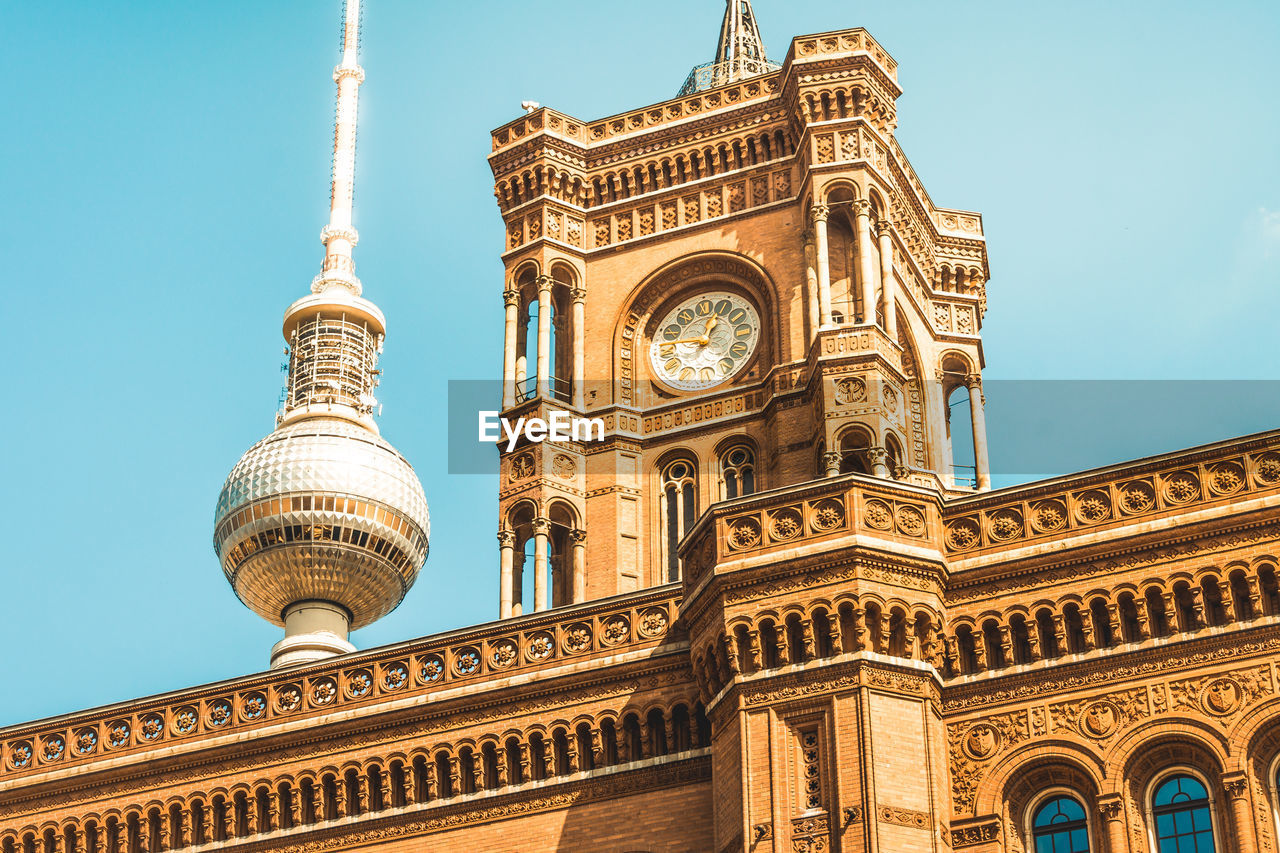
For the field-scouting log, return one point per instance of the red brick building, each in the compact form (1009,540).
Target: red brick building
(763,613)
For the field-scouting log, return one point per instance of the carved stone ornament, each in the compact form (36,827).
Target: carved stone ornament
(877,515)
(890,398)
(1099,719)
(1221,696)
(850,389)
(981,742)
(521,467)
(564,467)
(910,521)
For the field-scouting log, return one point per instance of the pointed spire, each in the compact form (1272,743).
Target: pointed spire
(739,54)
(339,235)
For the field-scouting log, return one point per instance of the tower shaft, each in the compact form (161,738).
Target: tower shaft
(335,335)
(340,236)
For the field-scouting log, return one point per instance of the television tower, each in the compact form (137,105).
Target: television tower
(322,526)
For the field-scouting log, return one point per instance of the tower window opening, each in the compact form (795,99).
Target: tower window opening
(854,458)
(964,468)
(737,472)
(678,510)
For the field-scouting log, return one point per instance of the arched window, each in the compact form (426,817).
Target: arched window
(678,510)
(1059,826)
(1180,807)
(854,444)
(894,457)
(737,472)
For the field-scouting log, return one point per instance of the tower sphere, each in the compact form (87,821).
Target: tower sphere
(324,510)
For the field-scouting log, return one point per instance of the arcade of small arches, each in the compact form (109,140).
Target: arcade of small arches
(822,630)
(492,763)
(830,104)
(1131,613)
(544,325)
(657,173)
(858,452)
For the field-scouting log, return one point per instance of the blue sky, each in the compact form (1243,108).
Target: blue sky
(165,179)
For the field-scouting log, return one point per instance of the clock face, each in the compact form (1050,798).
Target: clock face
(704,341)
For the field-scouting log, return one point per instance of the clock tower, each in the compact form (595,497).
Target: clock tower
(750,286)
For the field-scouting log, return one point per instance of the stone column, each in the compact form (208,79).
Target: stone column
(1237,790)
(579,540)
(731,654)
(1086,627)
(541,539)
(511,299)
(867,272)
(544,335)
(386,792)
(811,286)
(504,775)
(859,629)
(886,281)
(753,649)
(228,819)
(1144,618)
(878,457)
(1255,594)
(506,550)
(522,349)
(579,347)
(831,462)
(980,650)
(1111,810)
(1197,607)
(978,415)
(819,213)
(455,776)
(833,633)
(807,637)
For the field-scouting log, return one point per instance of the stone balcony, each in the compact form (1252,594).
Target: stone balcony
(816,518)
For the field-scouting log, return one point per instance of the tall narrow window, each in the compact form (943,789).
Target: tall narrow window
(1059,826)
(1181,810)
(679,509)
(737,472)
